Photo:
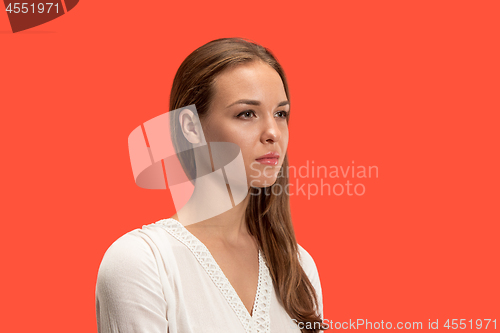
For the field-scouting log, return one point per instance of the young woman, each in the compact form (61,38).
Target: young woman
(236,270)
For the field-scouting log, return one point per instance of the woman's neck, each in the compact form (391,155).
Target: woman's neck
(207,212)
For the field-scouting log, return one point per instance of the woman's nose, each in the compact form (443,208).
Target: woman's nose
(271,132)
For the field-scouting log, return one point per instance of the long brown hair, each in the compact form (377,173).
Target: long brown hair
(267,215)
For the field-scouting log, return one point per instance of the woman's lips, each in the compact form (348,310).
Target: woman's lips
(270,158)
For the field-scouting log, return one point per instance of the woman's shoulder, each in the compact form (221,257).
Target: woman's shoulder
(129,290)
(126,255)
(308,265)
(136,249)
(305,258)
(129,246)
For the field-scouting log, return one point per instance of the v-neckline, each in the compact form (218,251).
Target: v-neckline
(258,321)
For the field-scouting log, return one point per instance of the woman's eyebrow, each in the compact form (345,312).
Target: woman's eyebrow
(245,101)
(254,102)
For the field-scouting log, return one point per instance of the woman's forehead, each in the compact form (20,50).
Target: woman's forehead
(252,81)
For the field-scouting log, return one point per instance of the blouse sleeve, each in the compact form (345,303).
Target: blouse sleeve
(129,295)
(311,271)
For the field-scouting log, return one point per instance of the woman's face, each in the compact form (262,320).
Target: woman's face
(249,108)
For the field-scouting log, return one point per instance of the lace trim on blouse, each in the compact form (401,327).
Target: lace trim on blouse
(259,321)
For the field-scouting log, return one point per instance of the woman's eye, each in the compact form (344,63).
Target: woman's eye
(246,114)
(284,114)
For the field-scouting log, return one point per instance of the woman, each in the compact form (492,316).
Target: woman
(230,270)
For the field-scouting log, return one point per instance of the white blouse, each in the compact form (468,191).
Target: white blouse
(161,278)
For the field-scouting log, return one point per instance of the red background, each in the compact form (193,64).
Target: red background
(410,87)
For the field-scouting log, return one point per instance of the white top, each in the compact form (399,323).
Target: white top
(161,278)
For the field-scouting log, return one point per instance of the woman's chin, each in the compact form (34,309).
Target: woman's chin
(261,183)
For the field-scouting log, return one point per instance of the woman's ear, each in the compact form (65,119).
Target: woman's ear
(190,126)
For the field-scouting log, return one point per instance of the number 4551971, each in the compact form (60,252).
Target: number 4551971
(25,8)
(463,324)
